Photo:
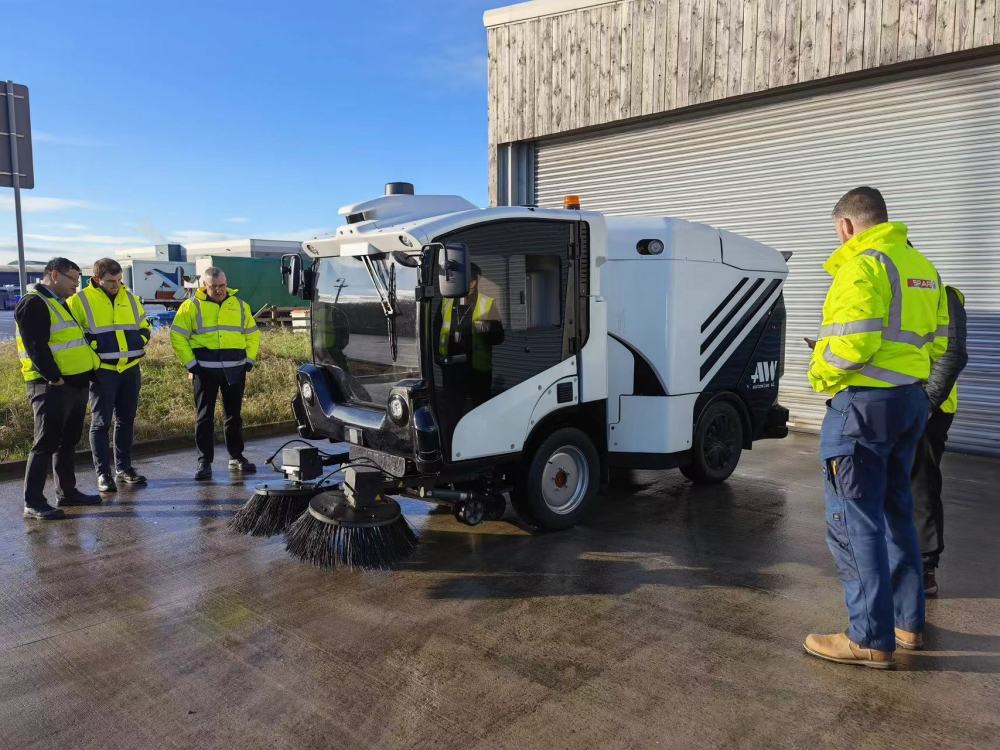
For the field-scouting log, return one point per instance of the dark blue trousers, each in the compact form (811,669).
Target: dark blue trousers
(114,398)
(867,444)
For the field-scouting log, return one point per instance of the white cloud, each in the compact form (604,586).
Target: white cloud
(184,236)
(65,226)
(40,136)
(238,220)
(31,204)
(63,240)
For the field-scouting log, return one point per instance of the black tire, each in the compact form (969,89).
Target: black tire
(559,481)
(717,444)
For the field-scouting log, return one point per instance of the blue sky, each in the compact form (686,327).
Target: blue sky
(187,121)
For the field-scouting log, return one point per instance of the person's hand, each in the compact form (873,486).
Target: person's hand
(57,382)
(190,375)
(249,366)
(481,326)
(811,343)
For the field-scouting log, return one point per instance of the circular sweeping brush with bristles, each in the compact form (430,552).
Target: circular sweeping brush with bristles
(334,533)
(273,507)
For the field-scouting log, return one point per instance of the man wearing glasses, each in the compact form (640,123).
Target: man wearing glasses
(57,364)
(215,337)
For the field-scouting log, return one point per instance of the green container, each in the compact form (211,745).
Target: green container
(258,280)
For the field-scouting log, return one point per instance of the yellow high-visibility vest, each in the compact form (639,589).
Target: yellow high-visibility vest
(213,335)
(482,352)
(950,405)
(116,329)
(66,342)
(885,318)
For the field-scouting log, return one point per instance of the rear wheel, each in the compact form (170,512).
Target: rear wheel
(717,444)
(558,485)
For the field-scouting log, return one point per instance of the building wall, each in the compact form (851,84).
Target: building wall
(559,65)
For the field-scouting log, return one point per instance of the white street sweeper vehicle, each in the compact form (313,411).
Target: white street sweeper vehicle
(468,353)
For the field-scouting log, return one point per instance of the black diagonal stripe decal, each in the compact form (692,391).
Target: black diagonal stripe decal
(722,305)
(738,307)
(740,328)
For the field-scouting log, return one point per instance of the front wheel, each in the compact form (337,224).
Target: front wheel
(558,485)
(717,444)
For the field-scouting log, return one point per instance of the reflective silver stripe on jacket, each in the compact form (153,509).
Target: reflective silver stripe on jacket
(213,329)
(868,370)
(181,331)
(855,326)
(121,355)
(894,330)
(68,345)
(199,322)
(221,365)
(200,326)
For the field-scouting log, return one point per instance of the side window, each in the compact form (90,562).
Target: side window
(511,327)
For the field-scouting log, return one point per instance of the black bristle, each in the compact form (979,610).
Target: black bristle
(332,545)
(268,514)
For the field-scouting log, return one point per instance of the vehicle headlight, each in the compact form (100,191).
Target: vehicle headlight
(398,409)
(307,391)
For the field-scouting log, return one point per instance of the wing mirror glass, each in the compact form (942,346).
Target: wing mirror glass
(455,270)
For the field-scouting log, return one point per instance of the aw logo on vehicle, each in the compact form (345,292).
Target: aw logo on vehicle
(765,375)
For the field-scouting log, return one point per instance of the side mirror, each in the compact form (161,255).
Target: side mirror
(456,270)
(291,272)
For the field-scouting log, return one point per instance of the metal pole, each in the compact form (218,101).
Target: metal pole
(21,270)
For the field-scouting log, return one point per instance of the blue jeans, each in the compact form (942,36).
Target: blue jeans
(867,444)
(114,398)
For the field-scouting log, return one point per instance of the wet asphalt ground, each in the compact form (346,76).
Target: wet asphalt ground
(674,618)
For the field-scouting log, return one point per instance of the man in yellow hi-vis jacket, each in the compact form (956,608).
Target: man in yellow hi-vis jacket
(216,338)
(115,324)
(885,321)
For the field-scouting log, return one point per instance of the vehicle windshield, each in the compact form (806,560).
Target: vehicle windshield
(364,325)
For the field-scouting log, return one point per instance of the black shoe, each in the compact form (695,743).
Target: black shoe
(130,476)
(43,512)
(204,473)
(106,484)
(78,498)
(930,583)
(241,466)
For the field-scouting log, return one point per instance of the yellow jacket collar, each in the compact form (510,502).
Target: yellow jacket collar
(200,293)
(880,236)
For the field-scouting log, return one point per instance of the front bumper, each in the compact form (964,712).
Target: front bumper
(326,415)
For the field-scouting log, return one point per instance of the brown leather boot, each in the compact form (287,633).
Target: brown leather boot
(841,649)
(909,641)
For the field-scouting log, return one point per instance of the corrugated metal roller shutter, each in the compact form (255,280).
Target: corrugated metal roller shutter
(773,171)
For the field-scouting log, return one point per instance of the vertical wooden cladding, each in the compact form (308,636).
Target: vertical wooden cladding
(618,60)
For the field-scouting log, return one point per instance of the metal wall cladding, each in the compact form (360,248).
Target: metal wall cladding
(773,170)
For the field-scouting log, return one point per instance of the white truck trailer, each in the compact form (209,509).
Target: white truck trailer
(604,342)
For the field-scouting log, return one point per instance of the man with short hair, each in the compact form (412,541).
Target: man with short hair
(216,338)
(57,365)
(116,327)
(885,322)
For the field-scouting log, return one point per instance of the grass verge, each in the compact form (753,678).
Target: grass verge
(166,404)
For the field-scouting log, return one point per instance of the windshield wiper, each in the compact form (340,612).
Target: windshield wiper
(383,277)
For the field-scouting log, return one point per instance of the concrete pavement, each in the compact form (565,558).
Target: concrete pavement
(674,618)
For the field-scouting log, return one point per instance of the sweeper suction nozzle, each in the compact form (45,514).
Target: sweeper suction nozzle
(353,527)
